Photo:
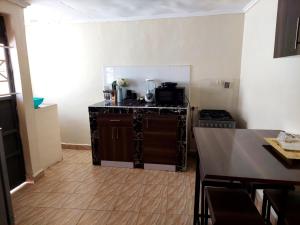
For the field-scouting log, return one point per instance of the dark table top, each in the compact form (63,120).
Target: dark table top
(242,155)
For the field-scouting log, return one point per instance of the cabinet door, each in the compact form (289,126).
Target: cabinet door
(287,31)
(116,137)
(160,139)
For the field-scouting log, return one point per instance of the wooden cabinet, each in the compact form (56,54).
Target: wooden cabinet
(116,137)
(287,41)
(128,136)
(160,139)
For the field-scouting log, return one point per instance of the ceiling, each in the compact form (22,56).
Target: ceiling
(106,10)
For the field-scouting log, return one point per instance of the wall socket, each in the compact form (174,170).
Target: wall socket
(226,84)
(223,84)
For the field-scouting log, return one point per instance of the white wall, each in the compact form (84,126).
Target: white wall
(67,60)
(269,88)
(14,20)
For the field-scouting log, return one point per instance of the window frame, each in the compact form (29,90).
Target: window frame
(6,47)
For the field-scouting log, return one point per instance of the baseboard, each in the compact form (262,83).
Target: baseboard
(36,176)
(163,167)
(106,163)
(76,146)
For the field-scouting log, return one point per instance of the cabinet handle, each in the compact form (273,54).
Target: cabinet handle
(114,120)
(112,133)
(117,133)
(147,123)
(297,42)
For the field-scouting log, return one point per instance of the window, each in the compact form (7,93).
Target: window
(6,82)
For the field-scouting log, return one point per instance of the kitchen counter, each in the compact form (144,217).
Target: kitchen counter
(135,104)
(139,135)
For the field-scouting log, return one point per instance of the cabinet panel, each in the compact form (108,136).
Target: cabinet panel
(160,140)
(287,41)
(125,144)
(160,123)
(116,138)
(107,147)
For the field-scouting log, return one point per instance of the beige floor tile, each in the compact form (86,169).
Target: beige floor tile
(105,202)
(155,191)
(53,175)
(31,215)
(123,196)
(68,187)
(95,176)
(90,188)
(122,218)
(42,185)
(156,177)
(28,199)
(77,201)
(154,205)
(163,219)
(176,206)
(176,191)
(92,217)
(190,190)
(64,217)
(74,176)
(189,206)
(129,189)
(109,189)
(177,179)
(149,219)
(127,203)
(119,178)
(118,171)
(52,200)
(175,220)
(135,178)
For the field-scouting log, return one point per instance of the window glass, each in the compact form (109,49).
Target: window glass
(4,82)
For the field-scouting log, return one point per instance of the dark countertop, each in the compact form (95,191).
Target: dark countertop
(134,104)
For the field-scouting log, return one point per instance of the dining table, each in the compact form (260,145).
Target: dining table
(238,155)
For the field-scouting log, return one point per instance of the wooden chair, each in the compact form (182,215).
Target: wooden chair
(286,205)
(231,207)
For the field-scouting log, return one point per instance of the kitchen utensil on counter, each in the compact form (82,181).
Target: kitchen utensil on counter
(119,94)
(128,94)
(107,94)
(150,93)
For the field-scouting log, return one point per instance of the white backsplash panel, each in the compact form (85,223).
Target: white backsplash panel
(137,75)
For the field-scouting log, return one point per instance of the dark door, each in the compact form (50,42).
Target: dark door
(6,212)
(8,115)
(160,139)
(116,137)
(288,28)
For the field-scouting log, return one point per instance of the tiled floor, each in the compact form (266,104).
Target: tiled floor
(76,192)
